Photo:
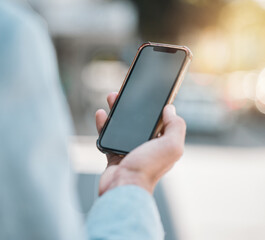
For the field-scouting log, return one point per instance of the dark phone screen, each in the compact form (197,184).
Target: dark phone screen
(143,98)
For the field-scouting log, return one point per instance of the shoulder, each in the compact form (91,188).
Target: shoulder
(24,38)
(18,17)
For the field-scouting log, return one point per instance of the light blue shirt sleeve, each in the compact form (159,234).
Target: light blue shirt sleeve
(37,198)
(126,212)
(37,193)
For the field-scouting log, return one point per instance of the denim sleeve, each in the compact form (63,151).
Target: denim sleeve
(126,212)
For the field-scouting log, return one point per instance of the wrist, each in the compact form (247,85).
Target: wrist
(124,176)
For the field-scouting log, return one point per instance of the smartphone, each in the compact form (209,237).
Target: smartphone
(152,81)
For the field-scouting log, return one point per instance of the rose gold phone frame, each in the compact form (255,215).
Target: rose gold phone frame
(171,97)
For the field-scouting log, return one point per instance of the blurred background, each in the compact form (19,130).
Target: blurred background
(217,191)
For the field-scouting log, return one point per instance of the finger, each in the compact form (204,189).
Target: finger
(174,132)
(101,117)
(174,126)
(171,121)
(111,99)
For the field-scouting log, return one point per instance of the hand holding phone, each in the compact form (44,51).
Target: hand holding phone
(146,164)
(152,82)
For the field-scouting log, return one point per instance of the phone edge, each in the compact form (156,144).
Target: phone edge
(179,81)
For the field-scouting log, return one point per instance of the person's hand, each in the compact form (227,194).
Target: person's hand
(146,164)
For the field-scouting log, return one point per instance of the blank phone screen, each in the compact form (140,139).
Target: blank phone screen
(144,95)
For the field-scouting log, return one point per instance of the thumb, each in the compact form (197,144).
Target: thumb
(173,124)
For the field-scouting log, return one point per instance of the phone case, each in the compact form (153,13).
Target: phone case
(172,95)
